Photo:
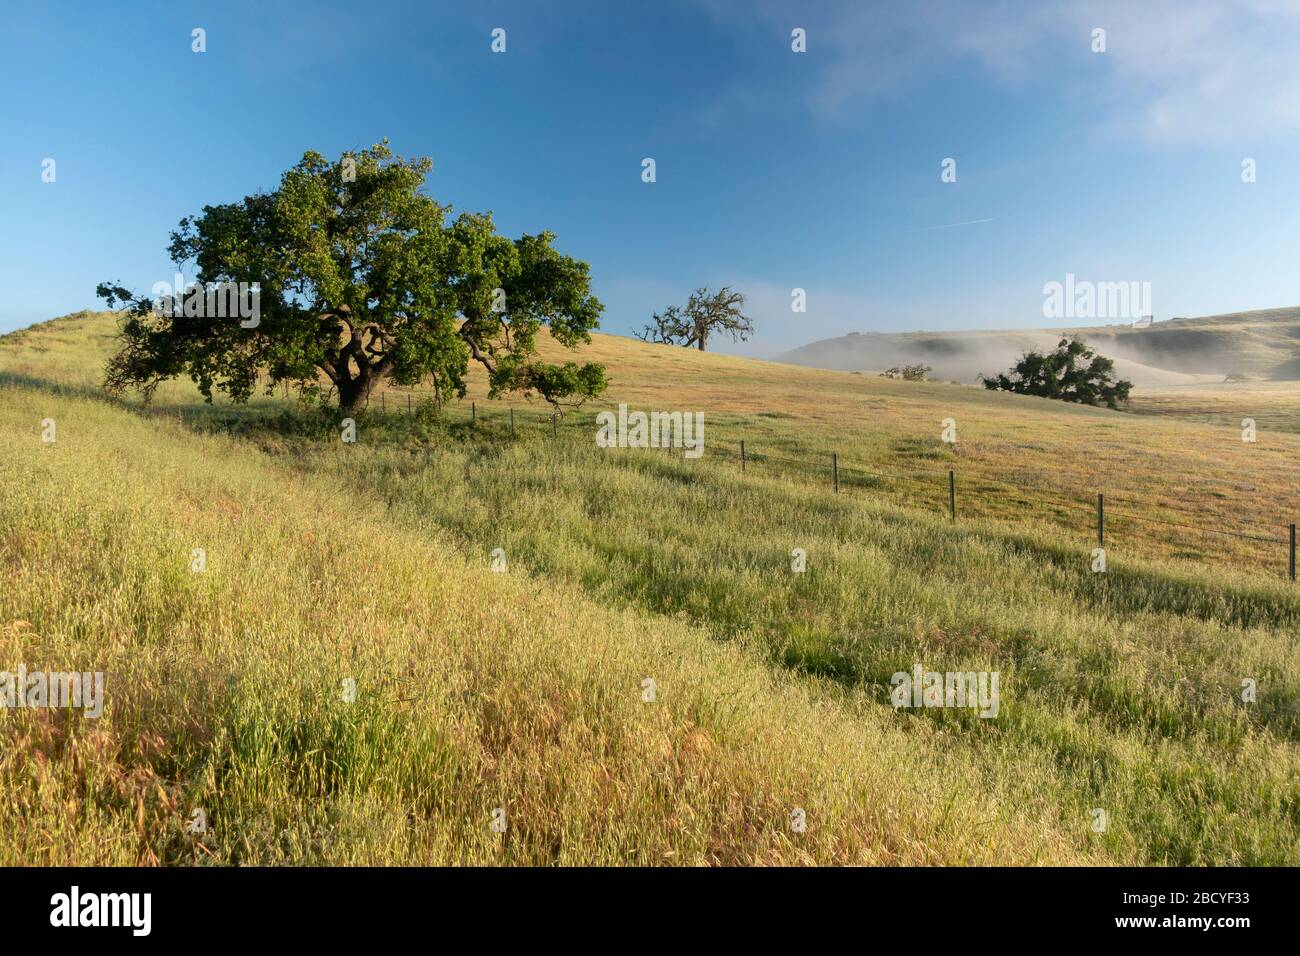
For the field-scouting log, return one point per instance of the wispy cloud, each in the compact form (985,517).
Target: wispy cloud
(1179,71)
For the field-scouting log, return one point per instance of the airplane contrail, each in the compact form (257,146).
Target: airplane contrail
(953,225)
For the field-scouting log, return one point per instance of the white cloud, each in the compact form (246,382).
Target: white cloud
(1174,70)
(1210,71)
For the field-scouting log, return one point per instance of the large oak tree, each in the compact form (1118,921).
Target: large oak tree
(1071,373)
(362,278)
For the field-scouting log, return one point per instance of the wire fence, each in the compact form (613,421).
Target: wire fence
(513,422)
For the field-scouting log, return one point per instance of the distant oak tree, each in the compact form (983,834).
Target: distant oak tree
(908,373)
(1071,373)
(362,279)
(704,314)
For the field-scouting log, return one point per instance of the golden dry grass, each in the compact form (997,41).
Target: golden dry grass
(524,690)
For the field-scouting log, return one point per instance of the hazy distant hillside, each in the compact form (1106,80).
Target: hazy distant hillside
(1263,345)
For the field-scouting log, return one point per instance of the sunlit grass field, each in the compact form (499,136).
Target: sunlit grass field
(524,693)
(1273,406)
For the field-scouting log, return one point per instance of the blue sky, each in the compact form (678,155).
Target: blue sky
(775,170)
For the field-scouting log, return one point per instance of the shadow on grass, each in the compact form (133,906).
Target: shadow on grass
(63,389)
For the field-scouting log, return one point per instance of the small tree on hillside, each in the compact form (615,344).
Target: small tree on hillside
(360,279)
(704,314)
(1071,373)
(908,373)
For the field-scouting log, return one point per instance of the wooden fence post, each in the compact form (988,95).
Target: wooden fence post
(952,495)
(512,422)
(742,456)
(1101,520)
(835,471)
(1292,561)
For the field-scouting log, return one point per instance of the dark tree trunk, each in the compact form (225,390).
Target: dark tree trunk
(353,392)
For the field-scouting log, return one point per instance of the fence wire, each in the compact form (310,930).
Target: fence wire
(826,468)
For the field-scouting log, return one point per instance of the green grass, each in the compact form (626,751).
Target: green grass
(523,690)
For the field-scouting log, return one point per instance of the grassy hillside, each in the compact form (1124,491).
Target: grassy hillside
(1172,481)
(1273,406)
(524,690)
(1261,345)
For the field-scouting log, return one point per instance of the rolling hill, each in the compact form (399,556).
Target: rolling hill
(1258,345)
(521,696)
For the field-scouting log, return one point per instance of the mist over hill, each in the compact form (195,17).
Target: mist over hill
(1262,345)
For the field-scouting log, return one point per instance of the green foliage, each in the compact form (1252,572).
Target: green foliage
(1071,373)
(361,279)
(506,290)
